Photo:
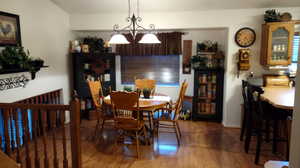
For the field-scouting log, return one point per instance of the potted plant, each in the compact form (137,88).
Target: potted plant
(147,93)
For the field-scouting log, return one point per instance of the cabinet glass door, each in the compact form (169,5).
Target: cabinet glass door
(207,93)
(280,42)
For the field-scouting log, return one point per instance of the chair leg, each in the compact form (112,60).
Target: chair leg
(243,127)
(275,136)
(177,134)
(287,141)
(137,144)
(248,136)
(267,125)
(177,125)
(101,129)
(145,135)
(150,120)
(96,129)
(258,146)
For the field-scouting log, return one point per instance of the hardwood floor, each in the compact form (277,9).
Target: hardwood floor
(203,145)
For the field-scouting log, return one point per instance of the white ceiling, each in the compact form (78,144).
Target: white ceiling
(113,6)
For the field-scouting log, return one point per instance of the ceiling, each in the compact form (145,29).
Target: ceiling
(119,6)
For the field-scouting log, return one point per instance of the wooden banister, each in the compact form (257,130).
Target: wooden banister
(47,120)
(75,133)
(7,162)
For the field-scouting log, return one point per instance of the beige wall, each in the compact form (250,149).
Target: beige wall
(295,137)
(232,20)
(45,32)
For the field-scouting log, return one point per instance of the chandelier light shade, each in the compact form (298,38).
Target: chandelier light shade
(134,28)
(149,38)
(118,39)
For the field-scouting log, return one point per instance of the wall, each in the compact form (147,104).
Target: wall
(230,19)
(197,35)
(45,31)
(295,136)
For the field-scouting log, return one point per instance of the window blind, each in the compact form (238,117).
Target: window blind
(296,46)
(164,69)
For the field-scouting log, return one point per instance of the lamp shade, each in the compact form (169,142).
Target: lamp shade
(118,39)
(149,38)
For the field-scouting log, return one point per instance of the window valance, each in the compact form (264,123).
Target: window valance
(170,45)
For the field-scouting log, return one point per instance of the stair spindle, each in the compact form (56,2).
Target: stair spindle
(26,137)
(44,125)
(18,141)
(35,132)
(62,119)
(53,123)
(6,132)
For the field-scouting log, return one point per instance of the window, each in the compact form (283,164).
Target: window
(295,54)
(296,46)
(164,69)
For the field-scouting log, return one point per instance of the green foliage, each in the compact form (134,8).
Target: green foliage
(17,58)
(14,57)
(127,88)
(207,46)
(198,62)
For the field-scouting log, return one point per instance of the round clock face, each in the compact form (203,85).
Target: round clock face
(245,37)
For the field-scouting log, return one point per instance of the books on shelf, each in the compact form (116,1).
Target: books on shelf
(207,108)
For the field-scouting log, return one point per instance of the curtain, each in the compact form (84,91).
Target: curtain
(170,45)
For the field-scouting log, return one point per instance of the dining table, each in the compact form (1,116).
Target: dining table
(279,96)
(282,99)
(153,103)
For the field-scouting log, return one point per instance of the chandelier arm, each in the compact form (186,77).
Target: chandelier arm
(127,27)
(141,27)
(116,28)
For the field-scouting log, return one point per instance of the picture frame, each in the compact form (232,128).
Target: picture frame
(10,33)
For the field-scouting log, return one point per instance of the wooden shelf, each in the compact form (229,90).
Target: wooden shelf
(10,71)
(201,98)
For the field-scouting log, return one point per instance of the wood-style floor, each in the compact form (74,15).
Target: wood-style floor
(203,145)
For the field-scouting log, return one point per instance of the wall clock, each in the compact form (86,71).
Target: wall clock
(245,37)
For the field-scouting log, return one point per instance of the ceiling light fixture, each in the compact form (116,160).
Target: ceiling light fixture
(134,28)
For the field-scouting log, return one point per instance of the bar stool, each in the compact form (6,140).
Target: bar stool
(260,115)
(245,108)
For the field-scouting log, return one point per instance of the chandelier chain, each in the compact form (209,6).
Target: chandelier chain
(138,8)
(129,9)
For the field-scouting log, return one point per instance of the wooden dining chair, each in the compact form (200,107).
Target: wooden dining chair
(245,109)
(127,116)
(102,114)
(168,117)
(141,84)
(145,84)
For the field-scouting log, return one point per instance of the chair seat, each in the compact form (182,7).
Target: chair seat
(163,116)
(129,124)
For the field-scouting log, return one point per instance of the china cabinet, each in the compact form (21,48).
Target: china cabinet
(277,42)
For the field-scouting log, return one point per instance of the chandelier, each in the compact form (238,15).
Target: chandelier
(134,28)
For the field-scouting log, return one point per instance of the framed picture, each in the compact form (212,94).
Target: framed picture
(10,34)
